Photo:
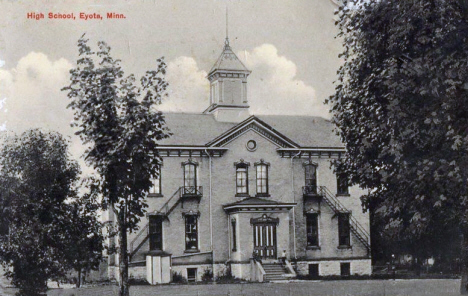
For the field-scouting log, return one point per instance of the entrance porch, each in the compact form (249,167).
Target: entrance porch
(259,230)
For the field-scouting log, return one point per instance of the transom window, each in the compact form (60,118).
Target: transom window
(310,173)
(191,232)
(242,178)
(262,177)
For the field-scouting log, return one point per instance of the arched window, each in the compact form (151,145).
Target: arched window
(155,189)
(190,176)
(242,178)
(310,174)
(262,177)
(342,184)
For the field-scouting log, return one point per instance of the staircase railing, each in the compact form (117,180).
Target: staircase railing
(358,230)
(171,203)
(139,239)
(165,210)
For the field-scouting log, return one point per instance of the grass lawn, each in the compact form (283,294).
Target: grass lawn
(426,287)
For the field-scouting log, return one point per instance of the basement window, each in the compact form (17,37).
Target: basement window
(191,275)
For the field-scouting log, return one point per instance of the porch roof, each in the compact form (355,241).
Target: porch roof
(256,203)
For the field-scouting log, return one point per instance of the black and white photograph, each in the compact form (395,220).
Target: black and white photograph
(233,147)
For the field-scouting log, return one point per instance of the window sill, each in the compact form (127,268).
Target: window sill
(343,194)
(262,195)
(313,248)
(344,247)
(192,251)
(155,195)
(242,195)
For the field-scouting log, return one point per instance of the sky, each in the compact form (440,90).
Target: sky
(289,46)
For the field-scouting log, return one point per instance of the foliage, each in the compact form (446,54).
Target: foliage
(116,117)
(84,246)
(36,177)
(137,282)
(401,107)
(207,275)
(178,278)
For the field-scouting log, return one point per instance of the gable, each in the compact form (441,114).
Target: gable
(256,125)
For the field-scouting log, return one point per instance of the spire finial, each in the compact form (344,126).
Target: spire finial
(227,27)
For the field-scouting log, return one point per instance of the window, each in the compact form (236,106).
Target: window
(310,173)
(342,184)
(155,190)
(343,229)
(190,177)
(314,271)
(345,269)
(242,178)
(155,233)
(251,145)
(312,230)
(262,178)
(191,233)
(191,274)
(234,235)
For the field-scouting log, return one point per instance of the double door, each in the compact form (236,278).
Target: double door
(264,239)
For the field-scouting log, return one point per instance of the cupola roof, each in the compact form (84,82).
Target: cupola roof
(228,61)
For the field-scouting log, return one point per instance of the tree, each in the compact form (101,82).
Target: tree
(36,177)
(401,108)
(116,117)
(84,244)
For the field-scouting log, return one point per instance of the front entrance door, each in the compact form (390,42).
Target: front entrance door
(265,240)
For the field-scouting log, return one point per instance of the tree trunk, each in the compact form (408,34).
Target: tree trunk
(78,283)
(123,255)
(464,263)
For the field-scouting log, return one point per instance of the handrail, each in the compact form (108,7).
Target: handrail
(289,267)
(143,230)
(309,190)
(359,230)
(191,191)
(166,209)
(261,276)
(166,204)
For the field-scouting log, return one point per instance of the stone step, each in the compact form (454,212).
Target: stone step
(278,269)
(278,278)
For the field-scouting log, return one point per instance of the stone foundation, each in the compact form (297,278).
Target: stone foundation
(241,270)
(137,272)
(327,268)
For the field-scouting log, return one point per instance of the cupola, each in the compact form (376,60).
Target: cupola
(228,87)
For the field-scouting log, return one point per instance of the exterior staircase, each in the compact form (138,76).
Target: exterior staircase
(178,197)
(274,272)
(356,228)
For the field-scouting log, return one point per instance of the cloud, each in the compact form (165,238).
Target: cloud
(188,87)
(273,86)
(31,97)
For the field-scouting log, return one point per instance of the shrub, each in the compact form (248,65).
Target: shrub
(137,282)
(207,275)
(178,278)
